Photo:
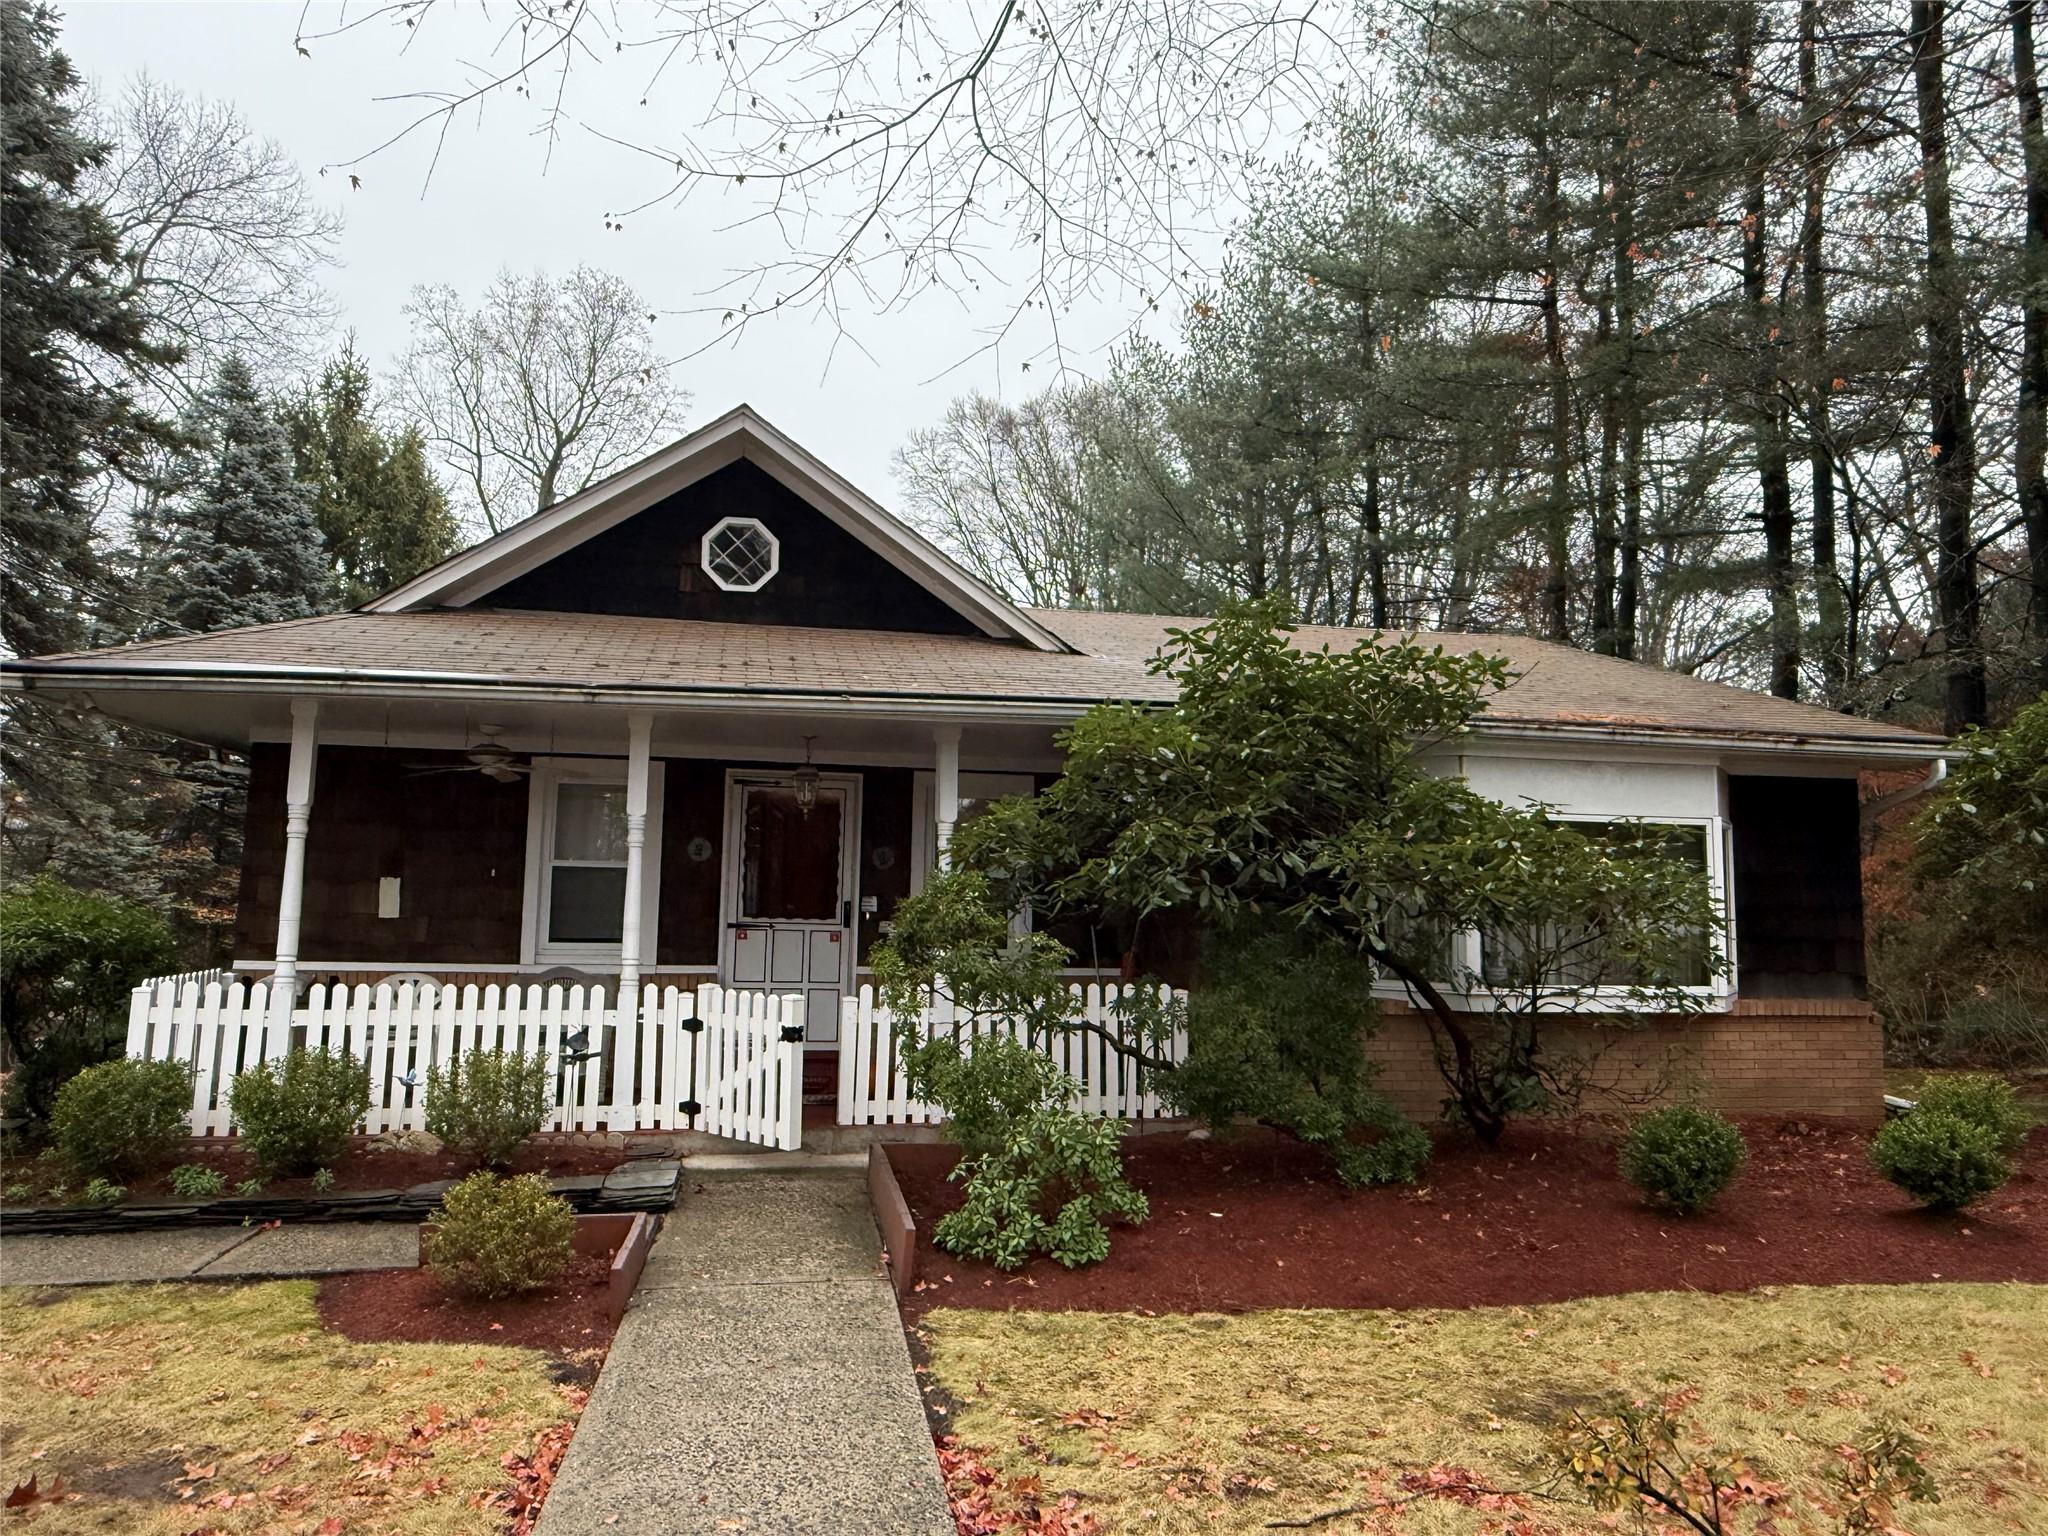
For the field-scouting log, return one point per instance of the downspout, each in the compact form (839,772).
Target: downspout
(1872,809)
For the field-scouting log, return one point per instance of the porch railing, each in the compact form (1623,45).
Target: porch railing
(729,1063)
(874,1089)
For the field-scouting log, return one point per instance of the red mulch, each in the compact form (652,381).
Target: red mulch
(360,1168)
(1255,1220)
(409,1306)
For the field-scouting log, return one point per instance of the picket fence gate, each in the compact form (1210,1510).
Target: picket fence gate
(874,1089)
(725,1062)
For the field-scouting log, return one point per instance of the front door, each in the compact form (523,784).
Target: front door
(789,892)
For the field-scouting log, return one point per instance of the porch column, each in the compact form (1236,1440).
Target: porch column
(298,815)
(946,788)
(639,736)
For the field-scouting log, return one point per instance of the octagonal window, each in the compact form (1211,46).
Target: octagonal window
(741,555)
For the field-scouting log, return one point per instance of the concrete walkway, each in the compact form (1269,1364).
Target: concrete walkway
(202,1253)
(760,1382)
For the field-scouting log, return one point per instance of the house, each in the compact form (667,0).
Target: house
(711,719)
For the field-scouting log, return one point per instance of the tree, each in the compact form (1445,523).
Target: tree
(2030,427)
(242,546)
(383,515)
(69,329)
(541,389)
(1291,784)
(1982,844)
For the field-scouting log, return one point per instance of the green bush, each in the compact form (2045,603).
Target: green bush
(1682,1157)
(1979,1097)
(1051,1188)
(195,1181)
(486,1103)
(66,1048)
(1941,1160)
(122,1117)
(101,1193)
(987,1087)
(498,1237)
(296,1114)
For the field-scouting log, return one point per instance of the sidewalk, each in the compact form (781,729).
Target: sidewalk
(760,1382)
(189,1253)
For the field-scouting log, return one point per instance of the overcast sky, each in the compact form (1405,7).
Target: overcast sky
(492,203)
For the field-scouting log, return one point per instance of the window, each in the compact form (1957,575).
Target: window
(978,791)
(741,555)
(576,862)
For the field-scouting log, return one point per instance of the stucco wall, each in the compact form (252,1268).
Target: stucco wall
(1823,1057)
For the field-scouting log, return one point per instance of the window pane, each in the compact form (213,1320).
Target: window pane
(1571,954)
(586,905)
(590,822)
(789,861)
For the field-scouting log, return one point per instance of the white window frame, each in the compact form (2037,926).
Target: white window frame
(774,553)
(549,774)
(1468,945)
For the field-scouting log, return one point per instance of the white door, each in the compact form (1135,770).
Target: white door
(789,893)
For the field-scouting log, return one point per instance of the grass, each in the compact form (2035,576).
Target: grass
(1222,1424)
(175,1408)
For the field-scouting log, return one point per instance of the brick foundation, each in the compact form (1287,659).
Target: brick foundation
(1763,1057)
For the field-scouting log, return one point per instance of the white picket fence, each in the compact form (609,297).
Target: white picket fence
(729,1063)
(873,1088)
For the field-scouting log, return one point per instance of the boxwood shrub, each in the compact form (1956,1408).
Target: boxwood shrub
(1682,1157)
(1942,1160)
(297,1113)
(1981,1097)
(498,1237)
(486,1103)
(122,1117)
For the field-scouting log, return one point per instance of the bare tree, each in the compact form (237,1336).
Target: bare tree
(541,389)
(223,242)
(1066,151)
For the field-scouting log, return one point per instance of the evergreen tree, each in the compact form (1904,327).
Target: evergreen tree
(63,320)
(243,546)
(384,516)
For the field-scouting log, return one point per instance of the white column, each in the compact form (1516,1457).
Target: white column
(946,788)
(640,735)
(291,896)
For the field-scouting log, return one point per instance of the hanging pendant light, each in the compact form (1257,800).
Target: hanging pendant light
(807,781)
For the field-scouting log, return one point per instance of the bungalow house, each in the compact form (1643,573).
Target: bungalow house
(710,720)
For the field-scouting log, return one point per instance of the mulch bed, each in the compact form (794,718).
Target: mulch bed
(361,1168)
(409,1306)
(1255,1220)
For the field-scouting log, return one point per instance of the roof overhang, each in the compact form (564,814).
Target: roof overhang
(740,433)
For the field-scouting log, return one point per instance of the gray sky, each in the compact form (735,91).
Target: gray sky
(491,203)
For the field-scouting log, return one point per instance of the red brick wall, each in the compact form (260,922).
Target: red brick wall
(1767,1056)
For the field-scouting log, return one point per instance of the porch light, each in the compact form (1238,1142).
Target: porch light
(806,781)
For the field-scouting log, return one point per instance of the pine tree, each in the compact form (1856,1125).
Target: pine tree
(243,546)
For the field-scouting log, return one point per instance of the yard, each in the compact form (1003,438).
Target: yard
(175,1409)
(1217,1423)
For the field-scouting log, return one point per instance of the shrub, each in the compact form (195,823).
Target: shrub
(1941,1160)
(122,1117)
(101,1193)
(1682,1157)
(65,1049)
(296,1114)
(1051,1188)
(498,1237)
(486,1103)
(323,1180)
(1979,1097)
(195,1181)
(987,1088)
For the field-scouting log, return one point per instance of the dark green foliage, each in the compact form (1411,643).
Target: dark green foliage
(988,1085)
(496,1237)
(68,961)
(1941,1160)
(1981,843)
(195,1181)
(296,1114)
(1981,1098)
(488,1102)
(1682,1157)
(1275,1030)
(122,1117)
(1051,1188)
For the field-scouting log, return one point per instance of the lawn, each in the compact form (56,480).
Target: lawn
(171,1409)
(1217,1423)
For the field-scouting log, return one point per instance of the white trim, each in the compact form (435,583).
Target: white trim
(740,433)
(548,772)
(774,553)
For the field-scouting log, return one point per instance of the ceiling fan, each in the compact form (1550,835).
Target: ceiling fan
(489,757)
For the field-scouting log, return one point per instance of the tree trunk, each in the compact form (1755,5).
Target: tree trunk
(1558,520)
(1774,480)
(1829,636)
(1951,438)
(2030,430)
(1375,546)
(1604,539)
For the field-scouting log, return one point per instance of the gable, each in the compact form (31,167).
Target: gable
(650,566)
(476,576)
